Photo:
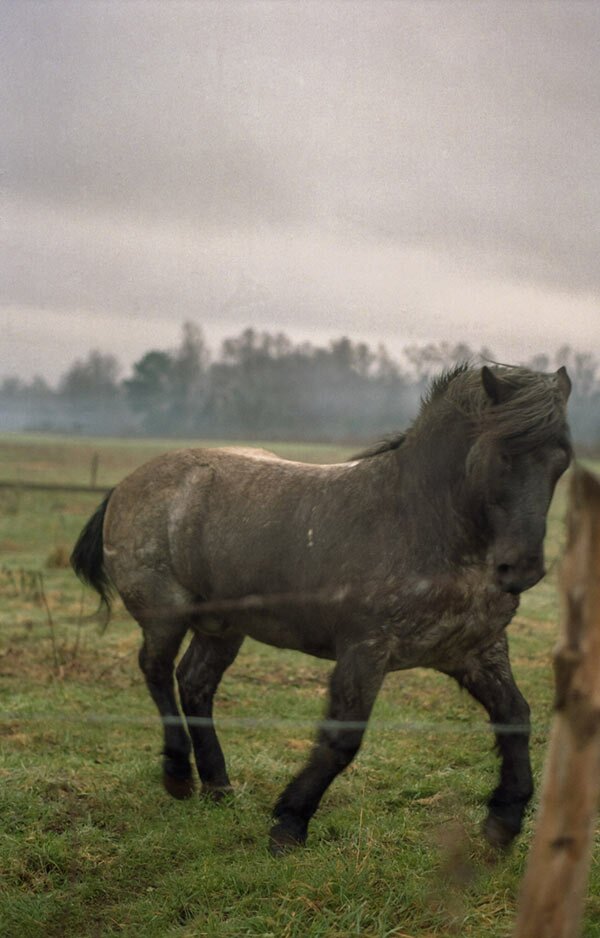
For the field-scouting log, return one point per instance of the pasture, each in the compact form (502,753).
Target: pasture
(91,845)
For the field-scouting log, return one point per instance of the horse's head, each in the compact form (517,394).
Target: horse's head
(522,451)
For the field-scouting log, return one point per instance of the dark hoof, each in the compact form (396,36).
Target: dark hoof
(180,788)
(283,840)
(498,833)
(216,793)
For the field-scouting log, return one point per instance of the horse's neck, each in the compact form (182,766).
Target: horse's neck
(434,496)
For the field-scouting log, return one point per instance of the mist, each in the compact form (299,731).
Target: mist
(264,386)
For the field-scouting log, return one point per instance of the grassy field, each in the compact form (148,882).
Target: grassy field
(92,846)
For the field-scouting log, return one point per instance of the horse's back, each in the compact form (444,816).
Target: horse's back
(215,521)
(185,477)
(169,488)
(250,452)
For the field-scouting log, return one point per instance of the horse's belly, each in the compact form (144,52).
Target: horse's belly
(283,633)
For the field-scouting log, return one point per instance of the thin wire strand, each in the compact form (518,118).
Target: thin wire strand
(272,602)
(439,727)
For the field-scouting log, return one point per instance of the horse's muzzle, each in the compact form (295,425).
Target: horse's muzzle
(517,577)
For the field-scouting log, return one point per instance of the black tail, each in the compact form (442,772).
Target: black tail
(87,558)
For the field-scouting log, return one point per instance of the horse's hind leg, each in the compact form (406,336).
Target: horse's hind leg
(198,676)
(491,682)
(157,656)
(354,685)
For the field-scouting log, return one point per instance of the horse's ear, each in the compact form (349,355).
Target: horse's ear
(494,386)
(564,382)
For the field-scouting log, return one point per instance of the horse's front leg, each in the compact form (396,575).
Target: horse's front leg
(490,681)
(354,685)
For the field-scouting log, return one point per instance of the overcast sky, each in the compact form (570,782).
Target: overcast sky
(397,172)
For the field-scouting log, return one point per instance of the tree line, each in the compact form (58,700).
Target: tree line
(262,385)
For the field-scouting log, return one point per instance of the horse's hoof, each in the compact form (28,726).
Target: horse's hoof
(180,788)
(282,840)
(216,793)
(497,833)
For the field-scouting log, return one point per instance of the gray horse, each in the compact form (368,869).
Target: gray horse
(412,554)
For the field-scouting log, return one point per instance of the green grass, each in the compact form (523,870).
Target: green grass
(92,846)
(67,459)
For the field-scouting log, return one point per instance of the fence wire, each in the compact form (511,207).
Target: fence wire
(450,727)
(414,587)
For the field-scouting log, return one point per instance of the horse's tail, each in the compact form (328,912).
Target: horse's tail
(87,558)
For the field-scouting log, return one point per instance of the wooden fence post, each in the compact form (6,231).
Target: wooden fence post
(94,470)
(553,889)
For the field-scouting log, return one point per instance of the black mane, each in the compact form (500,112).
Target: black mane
(440,384)
(533,412)
(389,443)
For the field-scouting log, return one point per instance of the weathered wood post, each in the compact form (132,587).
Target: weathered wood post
(94,470)
(554,885)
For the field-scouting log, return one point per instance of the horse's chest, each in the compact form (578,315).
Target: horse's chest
(445,635)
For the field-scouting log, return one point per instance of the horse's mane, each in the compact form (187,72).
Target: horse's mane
(388,443)
(533,412)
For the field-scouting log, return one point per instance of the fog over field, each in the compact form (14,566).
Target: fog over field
(396,172)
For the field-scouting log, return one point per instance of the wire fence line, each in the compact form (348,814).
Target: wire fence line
(53,486)
(336,596)
(441,727)
(260,602)
(414,587)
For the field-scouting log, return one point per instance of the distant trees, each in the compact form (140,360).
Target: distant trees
(16,389)
(149,390)
(95,378)
(168,389)
(584,403)
(262,385)
(584,370)
(91,393)
(191,364)
(429,360)
(265,386)
(248,390)
(25,405)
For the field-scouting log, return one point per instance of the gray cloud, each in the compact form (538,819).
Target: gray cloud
(155,156)
(147,110)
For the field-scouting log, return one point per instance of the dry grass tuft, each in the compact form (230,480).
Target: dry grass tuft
(58,558)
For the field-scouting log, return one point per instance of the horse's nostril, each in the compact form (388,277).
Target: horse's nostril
(504,569)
